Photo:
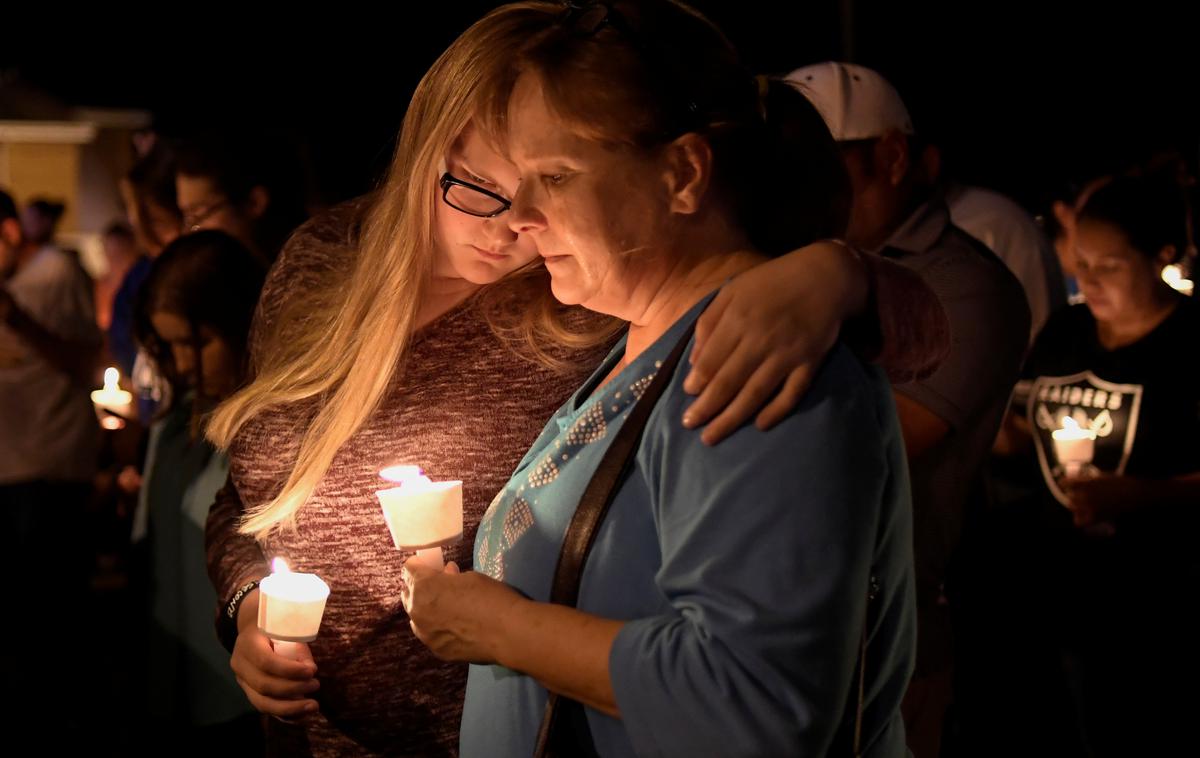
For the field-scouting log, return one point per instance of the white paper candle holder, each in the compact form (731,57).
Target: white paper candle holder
(291,604)
(421,515)
(1074,446)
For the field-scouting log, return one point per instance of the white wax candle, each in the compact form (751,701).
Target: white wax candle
(1073,445)
(290,604)
(421,514)
(112,398)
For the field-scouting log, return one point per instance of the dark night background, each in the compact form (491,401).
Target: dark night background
(1020,94)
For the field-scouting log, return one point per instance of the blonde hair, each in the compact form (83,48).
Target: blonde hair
(522,312)
(348,347)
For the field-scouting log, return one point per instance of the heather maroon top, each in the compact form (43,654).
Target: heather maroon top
(467,407)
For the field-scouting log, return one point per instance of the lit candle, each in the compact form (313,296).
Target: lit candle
(1173,275)
(113,404)
(1073,445)
(421,515)
(290,606)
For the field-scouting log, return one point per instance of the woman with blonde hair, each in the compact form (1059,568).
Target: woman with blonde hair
(415,327)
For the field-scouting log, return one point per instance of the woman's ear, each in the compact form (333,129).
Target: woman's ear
(689,166)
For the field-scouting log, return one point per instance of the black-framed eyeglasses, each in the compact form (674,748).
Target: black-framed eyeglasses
(470,198)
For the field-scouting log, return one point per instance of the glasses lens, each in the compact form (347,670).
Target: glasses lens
(472,201)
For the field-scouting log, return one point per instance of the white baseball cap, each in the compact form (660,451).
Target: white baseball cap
(856,102)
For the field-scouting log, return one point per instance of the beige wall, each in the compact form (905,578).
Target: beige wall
(41,170)
(76,162)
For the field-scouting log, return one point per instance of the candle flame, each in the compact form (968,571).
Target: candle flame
(401,474)
(1072,430)
(1173,275)
(279,566)
(111,378)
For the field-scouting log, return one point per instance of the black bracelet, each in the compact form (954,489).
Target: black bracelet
(227,627)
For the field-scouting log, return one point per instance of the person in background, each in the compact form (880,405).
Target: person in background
(192,318)
(1097,569)
(1009,232)
(247,185)
(949,419)
(49,344)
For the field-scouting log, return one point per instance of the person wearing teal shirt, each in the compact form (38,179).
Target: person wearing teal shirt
(721,608)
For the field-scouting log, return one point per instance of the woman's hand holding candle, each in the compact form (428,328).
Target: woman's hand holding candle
(459,617)
(473,618)
(275,685)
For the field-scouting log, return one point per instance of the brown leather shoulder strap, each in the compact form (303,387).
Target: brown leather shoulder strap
(581,533)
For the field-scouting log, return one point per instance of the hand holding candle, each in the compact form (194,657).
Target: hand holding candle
(457,615)
(290,607)
(113,404)
(421,515)
(278,683)
(1074,446)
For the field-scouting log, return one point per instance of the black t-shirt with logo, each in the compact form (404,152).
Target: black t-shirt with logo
(1120,596)
(1142,400)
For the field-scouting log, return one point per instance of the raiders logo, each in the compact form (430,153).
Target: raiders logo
(1107,410)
